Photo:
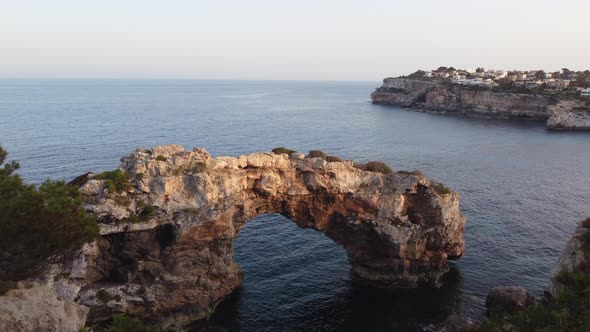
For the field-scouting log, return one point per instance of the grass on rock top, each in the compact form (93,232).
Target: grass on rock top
(282,150)
(115,181)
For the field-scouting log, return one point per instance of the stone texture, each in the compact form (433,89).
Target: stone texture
(176,263)
(39,308)
(509,298)
(572,259)
(439,97)
(569,115)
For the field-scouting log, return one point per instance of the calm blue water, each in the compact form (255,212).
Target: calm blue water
(523,188)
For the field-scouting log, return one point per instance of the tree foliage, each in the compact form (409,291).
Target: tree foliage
(282,150)
(123,323)
(417,74)
(540,74)
(38,225)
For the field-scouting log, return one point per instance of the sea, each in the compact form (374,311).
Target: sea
(523,188)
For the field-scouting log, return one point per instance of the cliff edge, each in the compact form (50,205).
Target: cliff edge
(168,218)
(443,97)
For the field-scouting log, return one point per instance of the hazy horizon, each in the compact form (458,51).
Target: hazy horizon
(266,40)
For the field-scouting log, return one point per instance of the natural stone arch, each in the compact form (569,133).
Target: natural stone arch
(176,264)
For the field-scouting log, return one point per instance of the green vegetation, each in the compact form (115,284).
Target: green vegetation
(440,188)
(124,323)
(148,151)
(317,154)
(122,200)
(145,212)
(161,158)
(282,150)
(323,155)
(115,181)
(375,166)
(103,296)
(414,172)
(568,310)
(378,166)
(5,286)
(37,224)
(332,158)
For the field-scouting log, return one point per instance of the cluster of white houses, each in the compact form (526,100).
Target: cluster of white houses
(532,79)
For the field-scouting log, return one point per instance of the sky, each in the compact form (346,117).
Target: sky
(287,40)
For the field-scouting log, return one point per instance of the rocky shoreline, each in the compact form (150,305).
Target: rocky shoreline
(168,217)
(439,97)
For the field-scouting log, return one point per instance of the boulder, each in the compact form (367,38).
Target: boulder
(39,308)
(509,298)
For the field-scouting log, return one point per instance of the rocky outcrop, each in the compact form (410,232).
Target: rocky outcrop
(509,298)
(573,258)
(442,97)
(569,115)
(38,307)
(166,252)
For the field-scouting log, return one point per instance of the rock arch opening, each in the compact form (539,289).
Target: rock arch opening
(177,263)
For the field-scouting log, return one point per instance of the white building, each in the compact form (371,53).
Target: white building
(533,84)
(472,81)
(586,92)
(558,84)
(501,74)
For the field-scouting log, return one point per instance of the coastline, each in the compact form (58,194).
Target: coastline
(439,97)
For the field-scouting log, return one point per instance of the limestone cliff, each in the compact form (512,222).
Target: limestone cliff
(38,307)
(442,97)
(568,115)
(166,250)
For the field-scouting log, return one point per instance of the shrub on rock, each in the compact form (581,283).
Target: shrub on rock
(317,154)
(332,158)
(38,225)
(375,166)
(282,150)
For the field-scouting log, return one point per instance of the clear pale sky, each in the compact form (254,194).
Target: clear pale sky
(287,40)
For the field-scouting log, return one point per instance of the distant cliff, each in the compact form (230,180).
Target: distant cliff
(443,97)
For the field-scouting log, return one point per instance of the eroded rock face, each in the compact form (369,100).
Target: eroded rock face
(39,308)
(166,250)
(569,115)
(439,97)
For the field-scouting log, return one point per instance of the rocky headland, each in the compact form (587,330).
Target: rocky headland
(168,217)
(437,96)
